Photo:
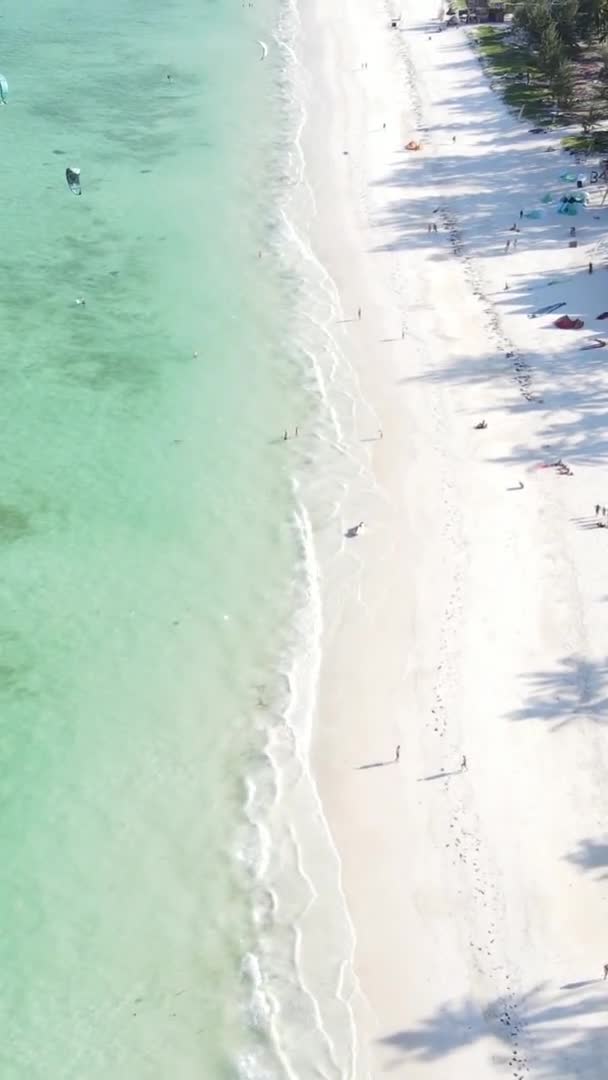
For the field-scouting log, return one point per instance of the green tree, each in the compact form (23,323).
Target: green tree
(551,53)
(566,16)
(593,19)
(562,85)
(533,17)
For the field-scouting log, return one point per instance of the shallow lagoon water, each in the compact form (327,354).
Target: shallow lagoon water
(145,526)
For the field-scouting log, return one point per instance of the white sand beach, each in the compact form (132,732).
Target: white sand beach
(470,616)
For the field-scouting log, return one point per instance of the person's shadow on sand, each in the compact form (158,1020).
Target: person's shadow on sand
(376,764)
(354,530)
(579,985)
(440,775)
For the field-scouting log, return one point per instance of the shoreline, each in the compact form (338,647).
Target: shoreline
(466,611)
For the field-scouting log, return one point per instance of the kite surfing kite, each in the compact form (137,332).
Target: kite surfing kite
(264,48)
(72,177)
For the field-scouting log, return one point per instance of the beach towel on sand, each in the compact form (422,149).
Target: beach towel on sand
(566,323)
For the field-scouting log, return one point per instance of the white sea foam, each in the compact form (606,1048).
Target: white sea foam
(300,978)
(301,986)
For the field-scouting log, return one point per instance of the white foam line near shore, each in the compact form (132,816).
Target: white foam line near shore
(295,971)
(303,989)
(298,213)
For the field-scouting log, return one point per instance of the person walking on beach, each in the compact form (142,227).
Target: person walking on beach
(359,313)
(398,754)
(507,246)
(515,242)
(463,763)
(434,226)
(605,970)
(285,436)
(597,509)
(402,332)
(590,268)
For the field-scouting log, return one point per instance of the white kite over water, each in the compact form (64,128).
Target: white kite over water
(264,49)
(72,176)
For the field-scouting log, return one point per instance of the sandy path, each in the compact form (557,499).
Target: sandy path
(473,618)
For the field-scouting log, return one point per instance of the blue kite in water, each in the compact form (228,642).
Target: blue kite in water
(3,90)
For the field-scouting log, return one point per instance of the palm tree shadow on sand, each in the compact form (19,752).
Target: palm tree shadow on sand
(575,689)
(553,1035)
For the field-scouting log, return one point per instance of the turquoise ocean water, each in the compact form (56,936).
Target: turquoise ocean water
(146,527)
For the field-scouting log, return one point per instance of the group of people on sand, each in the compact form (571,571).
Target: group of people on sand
(463,762)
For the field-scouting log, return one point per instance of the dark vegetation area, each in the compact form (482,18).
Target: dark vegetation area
(551,63)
